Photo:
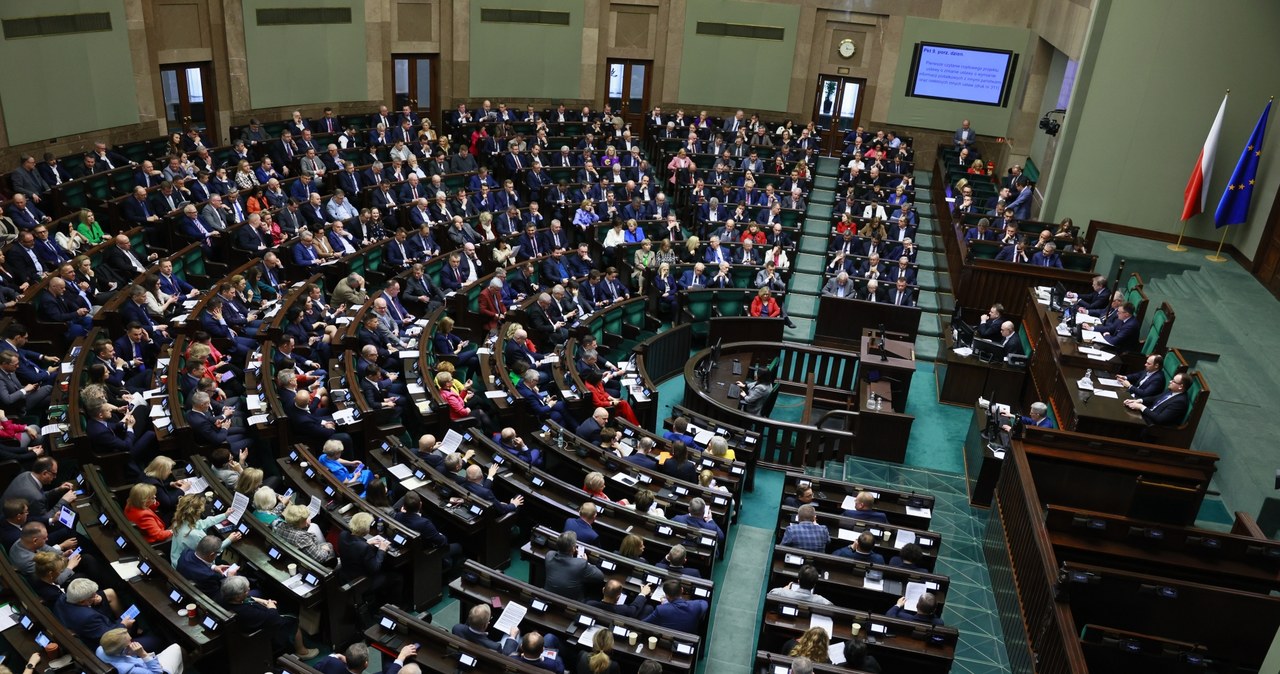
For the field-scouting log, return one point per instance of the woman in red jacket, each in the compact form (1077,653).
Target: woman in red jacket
(601,398)
(764,306)
(141,510)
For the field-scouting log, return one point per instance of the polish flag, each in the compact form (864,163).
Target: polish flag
(1198,185)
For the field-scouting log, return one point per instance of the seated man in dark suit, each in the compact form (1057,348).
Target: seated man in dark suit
(253,614)
(676,612)
(1122,334)
(643,454)
(636,608)
(1009,339)
(1147,382)
(1094,301)
(78,611)
(589,430)
(110,437)
(56,305)
(699,516)
(567,574)
(1038,417)
(476,630)
(410,515)
(1047,257)
(925,607)
(480,485)
(582,525)
(199,566)
(863,549)
(674,561)
(863,509)
(1166,409)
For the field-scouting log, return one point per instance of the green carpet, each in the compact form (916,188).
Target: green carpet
(937,435)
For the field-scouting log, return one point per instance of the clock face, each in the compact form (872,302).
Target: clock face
(847,48)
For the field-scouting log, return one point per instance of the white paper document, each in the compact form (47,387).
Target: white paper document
(919,512)
(588,635)
(904,537)
(401,471)
(963,352)
(314,506)
(259,419)
(511,616)
(913,594)
(825,622)
(846,534)
(1105,394)
(835,652)
(493,395)
(126,570)
(1113,383)
(848,502)
(452,440)
(196,485)
(239,504)
(298,585)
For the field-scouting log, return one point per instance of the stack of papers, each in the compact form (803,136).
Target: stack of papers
(126,570)
(919,512)
(298,585)
(904,537)
(913,594)
(825,622)
(196,485)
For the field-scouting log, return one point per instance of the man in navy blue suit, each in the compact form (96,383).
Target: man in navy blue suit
(111,437)
(136,210)
(25,214)
(699,516)
(863,509)
(1122,334)
(1095,300)
(480,485)
(676,612)
(198,566)
(582,524)
(1147,382)
(1047,257)
(1166,409)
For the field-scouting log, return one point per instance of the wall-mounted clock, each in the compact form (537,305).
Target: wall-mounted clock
(847,48)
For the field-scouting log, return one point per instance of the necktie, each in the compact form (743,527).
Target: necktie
(1162,400)
(899,300)
(403,255)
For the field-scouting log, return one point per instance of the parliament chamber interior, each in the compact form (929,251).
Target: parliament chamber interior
(637,336)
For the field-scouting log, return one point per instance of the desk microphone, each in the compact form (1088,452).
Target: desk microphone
(884,355)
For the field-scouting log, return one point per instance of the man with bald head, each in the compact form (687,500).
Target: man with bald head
(310,425)
(482,486)
(56,305)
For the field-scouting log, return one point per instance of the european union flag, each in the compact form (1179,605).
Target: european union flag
(1234,207)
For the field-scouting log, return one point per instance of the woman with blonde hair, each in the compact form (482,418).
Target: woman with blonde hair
(598,660)
(246,179)
(249,481)
(812,644)
(719,447)
(88,228)
(118,650)
(294,526)
(141,510)
(189,526)
(691,252)
(168,490)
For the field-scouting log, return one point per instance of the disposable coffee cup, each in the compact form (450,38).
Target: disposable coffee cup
(293,569)
(653,643)
(633,638)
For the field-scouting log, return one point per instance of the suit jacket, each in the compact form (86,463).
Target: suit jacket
(567,576)
(682,615)
(358,557)
(88,623)
(582,528)
(1012,344)
(40,502)
(507,646)
(199,573)
(1144,385)
(1124,335)
(1165,411)
(1042,260)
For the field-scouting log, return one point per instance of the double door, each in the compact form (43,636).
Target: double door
(838,108)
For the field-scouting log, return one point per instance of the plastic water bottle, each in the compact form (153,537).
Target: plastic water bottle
(1088,374)
(871,400)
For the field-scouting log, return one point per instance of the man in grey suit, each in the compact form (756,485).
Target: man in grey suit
(214,215)
(16,398)
(1021,205)
(752,397)
(567,574)
(42,500)
(840,286)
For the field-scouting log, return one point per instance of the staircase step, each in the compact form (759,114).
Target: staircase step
(822,197)
(820,211)
(928,300)
(824,182)
(928,348)
(812,264)
(817,226)
(815,245)
(805,282)
(803,332)
(828,165)
(804,306)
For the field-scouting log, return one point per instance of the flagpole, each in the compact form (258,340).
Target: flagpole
(1178,247)
(1218,257)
